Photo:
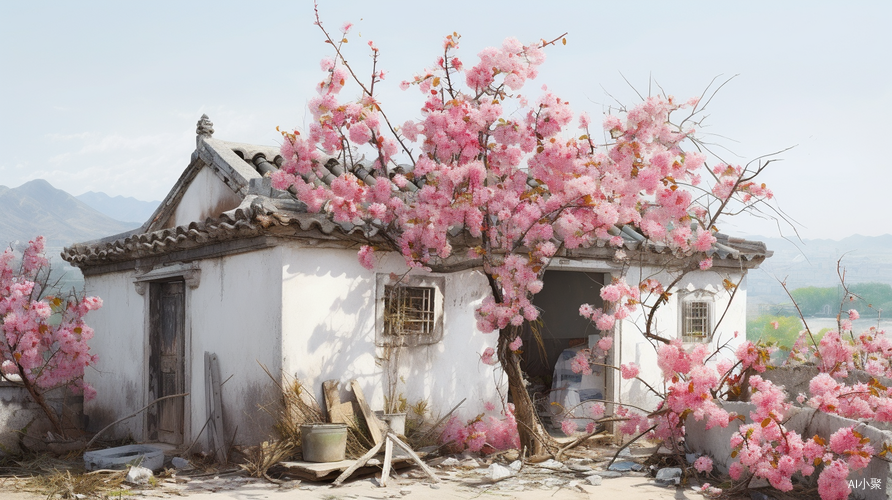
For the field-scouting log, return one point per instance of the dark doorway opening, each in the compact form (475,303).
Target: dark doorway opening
(562,332)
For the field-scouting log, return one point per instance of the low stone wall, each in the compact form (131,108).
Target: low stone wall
(18,412)
(808,422)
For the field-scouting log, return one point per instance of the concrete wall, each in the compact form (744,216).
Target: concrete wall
(120,341)
(632,346)
(207,196)
(233,312)
(329,333)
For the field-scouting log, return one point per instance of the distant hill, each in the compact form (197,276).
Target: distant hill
(37,208)
(120,207)
(866,259)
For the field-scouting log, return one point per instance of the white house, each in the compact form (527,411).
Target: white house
(229,266)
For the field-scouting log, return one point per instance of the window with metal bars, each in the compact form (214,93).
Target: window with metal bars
(409,310)
(696,326)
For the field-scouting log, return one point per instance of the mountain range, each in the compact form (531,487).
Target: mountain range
(37,208)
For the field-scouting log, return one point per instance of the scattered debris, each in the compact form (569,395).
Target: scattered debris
(625,466)
(497,472)
(669,476)
(139,475)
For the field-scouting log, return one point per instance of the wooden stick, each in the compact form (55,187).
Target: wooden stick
(359,463)
(137,412)
(391,436)
(388,458)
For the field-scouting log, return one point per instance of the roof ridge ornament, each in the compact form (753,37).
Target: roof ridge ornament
(205,127)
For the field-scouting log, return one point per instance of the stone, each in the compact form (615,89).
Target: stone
(550,464)
(469,463)
(625,466)
(668,476)
(554,482)
(139,475)
(516,465)
(497,472)
(449,462)
(594,480)
(608,474)
(579,468)
(180,463)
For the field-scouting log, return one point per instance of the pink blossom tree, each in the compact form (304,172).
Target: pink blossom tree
(44,341)
(520,177)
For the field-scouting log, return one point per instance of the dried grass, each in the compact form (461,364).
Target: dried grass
(259,459)
(298,407)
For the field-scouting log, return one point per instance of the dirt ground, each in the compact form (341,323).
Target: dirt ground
(242,488)
(459,479)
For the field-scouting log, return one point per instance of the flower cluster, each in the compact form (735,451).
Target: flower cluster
(482,432)
(44,339)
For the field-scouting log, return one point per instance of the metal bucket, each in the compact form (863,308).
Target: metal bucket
(324,442)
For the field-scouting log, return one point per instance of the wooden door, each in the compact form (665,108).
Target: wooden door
(167,361)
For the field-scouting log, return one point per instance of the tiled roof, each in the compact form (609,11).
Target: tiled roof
(265,211)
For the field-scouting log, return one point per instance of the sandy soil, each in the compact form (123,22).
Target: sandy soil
(634,487)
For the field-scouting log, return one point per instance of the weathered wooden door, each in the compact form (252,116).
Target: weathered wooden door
(167,361)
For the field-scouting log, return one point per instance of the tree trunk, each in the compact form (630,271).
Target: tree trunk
(41,401)
(533,435)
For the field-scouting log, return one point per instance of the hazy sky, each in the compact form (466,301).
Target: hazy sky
(104,96)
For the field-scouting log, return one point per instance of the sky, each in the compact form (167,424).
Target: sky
(104,96)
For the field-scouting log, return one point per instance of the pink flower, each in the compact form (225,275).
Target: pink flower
(703,464)
(488,356)
(605,343)
(367,257)
(706,264)
(775,324)
(629,370)
(853,314)
(569,427)
(516,344)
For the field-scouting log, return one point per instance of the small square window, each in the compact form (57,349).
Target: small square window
(696,326)
(409,311)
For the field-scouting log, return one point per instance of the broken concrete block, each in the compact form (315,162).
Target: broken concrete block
(497,472)
(121,456)
(669,476)
(139,475)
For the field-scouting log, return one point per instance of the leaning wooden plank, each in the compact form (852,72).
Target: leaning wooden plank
(388,458)
(375,426)
(215,405)
(359,463)
(332,398)
(416,458)
(341,414)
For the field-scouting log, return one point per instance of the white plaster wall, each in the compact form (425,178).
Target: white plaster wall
(235,312)
(206,196)
(329,333)
(119,341)
(631,346)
